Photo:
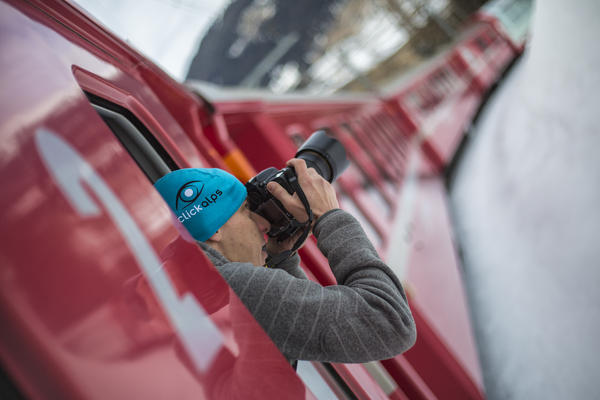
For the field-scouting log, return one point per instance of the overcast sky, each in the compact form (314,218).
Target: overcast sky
(166,31)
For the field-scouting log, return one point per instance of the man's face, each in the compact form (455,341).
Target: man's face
(243,237)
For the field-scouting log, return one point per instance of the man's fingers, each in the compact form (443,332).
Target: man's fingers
(313,172)
(290,203)
(300,167)
(283,196)
(319,193)
(296,162)
(279,192)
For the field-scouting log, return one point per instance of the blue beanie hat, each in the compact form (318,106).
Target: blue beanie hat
(203,199)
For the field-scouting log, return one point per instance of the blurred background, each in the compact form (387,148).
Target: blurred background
(523,190)
(320,46)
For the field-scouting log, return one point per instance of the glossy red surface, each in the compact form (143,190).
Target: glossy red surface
(81,317)
(102,297)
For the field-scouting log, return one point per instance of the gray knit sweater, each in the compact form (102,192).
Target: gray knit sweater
(363,318)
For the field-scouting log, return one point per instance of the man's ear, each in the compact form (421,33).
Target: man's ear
(216,237)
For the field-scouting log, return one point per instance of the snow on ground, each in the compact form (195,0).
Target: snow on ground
(526,204)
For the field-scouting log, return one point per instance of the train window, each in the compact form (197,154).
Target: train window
(143,147)
(324,381)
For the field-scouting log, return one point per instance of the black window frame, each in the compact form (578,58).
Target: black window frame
(136,138)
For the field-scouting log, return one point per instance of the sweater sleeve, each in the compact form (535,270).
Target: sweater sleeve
(363,318)
(292,267)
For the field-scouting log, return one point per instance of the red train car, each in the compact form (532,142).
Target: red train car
(102,297)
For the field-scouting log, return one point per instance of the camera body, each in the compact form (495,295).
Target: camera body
(323,153)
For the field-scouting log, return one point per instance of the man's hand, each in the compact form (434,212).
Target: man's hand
(319,193)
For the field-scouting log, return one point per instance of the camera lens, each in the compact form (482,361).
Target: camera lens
(325,154)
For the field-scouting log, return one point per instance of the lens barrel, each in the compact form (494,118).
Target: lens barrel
(325,154)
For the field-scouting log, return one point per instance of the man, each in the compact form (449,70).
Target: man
(363,318)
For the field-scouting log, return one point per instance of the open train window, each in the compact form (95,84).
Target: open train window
(324,381)
(143,147)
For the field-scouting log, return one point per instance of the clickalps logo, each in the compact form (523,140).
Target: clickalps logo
(188,201)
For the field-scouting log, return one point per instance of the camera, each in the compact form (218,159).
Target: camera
(320,151)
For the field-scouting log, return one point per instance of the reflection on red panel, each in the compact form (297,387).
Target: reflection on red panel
(102,297)
(82,318)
